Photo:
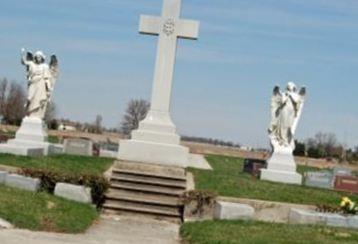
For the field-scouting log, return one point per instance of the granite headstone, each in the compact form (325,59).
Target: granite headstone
(321,179)
(78,146)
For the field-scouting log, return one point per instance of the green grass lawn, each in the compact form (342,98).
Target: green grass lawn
(227,179)
(247,232)
(60,163)
(44,212)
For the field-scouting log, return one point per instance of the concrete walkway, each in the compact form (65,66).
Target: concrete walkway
(109,230)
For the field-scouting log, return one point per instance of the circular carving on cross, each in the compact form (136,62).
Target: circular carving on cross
(169,27)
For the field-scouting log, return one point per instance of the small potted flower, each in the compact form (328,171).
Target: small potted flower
(348,206)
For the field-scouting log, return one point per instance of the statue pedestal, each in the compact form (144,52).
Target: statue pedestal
(281,167)
(30,139)
(155,142)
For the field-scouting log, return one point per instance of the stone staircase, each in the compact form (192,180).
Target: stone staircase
(144,189)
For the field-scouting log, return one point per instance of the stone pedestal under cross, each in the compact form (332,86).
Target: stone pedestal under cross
(156,140)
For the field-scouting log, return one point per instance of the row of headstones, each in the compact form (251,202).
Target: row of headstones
(238,211)
(340,179)
(68,191)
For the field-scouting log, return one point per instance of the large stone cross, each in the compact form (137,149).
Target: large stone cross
(156,140)
(169,27)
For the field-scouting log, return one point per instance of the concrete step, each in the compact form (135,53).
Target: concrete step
(148,180)
(161,190)
(144,198)
(140,208)
(146,189)
(172,219)
(158,171)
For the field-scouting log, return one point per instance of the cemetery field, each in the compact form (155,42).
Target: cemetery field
(258,232)
(60,163)
(44,212)
(227,179)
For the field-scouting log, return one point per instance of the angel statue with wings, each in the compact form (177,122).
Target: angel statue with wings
(286,109)
(41,81)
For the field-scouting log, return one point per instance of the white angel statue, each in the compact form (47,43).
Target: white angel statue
(286,109)
(41,81)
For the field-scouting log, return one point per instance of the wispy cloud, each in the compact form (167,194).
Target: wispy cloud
(274,15)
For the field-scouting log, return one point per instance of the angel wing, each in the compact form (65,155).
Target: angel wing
(276,91)
(54,70)
(28,57)
(275,107)
(54,66)
(302,94)
(276,101)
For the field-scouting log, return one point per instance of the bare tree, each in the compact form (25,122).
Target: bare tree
(3,94)
(98,124)
(50,116)
(324,145)
(14,109)
(135,112)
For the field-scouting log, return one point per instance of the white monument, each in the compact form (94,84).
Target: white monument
(286,109)
(31,138)
(156,140)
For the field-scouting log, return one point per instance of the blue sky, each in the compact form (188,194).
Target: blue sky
(223,81)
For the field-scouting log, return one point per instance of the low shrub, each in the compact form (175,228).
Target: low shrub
(201,198)
(98,184)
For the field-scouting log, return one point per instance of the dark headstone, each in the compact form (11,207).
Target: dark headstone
(253,166)
(346,183)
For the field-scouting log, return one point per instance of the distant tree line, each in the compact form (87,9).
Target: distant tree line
(325,145)
(95,127)
(216,142)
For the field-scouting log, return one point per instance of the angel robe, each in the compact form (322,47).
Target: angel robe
(284,117)
(39,82)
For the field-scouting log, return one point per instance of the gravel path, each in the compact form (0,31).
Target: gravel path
(109,230)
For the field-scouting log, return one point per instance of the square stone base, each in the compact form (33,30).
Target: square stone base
(281,176)
(30,139)
(154,153)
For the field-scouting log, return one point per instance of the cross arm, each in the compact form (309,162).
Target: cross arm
(188,29)
(149,25)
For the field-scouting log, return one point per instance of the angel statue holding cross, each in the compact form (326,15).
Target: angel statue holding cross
(41,81)
(286,109)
